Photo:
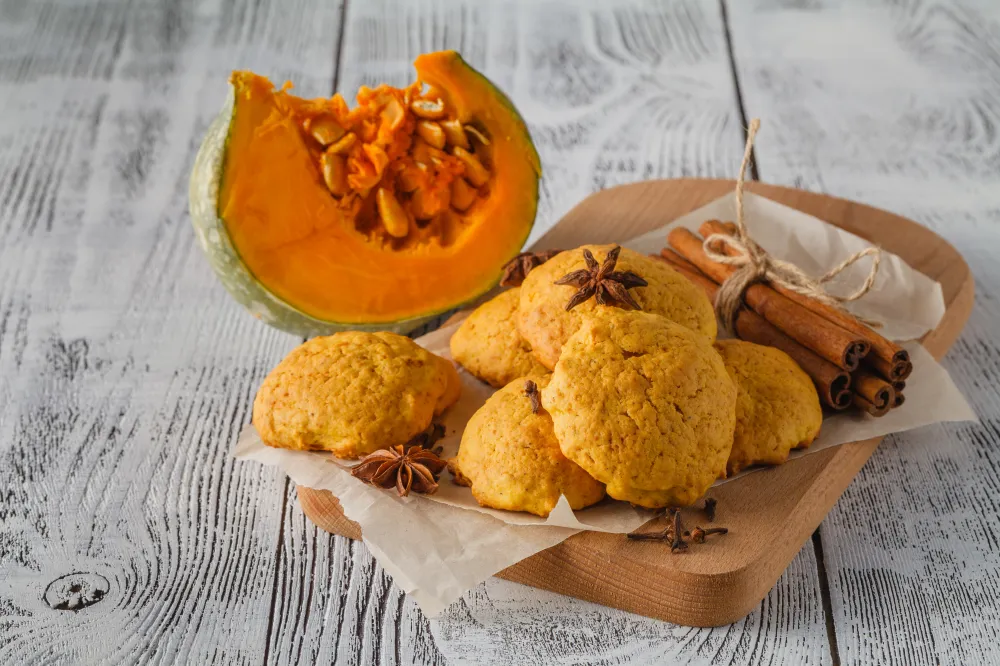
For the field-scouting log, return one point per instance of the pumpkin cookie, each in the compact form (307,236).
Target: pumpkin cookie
(352,393)
(645,406)
(510,457)
(546,325)
(777,407)
(488,345)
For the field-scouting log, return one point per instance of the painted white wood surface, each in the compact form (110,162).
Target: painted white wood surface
(125,371)
(897,104)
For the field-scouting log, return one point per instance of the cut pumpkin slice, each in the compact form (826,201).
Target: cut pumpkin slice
(318,217)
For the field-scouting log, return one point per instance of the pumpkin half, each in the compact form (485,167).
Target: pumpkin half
(318,217)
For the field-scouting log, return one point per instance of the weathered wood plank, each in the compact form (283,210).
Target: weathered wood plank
(125,371)
(506,623)
(612,94)
(897,105)
(335,604)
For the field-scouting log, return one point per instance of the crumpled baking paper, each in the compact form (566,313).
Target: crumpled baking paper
(437,547)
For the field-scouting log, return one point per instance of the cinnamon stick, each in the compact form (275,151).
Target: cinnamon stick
(677,261)
(873,389)
(898,387)
(832,383)
(829,341)
(893,355)
(867,406)
(893,371)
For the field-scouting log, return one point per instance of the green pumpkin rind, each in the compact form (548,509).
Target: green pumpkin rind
(213,237)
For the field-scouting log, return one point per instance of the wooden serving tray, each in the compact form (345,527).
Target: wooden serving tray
(771,513)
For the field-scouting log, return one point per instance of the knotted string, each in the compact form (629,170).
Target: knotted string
(754,264)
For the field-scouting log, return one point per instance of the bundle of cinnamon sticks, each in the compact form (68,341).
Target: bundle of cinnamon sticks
(849,362)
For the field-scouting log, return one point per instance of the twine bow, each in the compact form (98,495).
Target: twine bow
(754,264)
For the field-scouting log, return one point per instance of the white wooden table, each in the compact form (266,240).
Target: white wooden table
(126,372)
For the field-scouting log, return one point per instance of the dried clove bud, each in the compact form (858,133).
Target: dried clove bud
(710,503)
(674,532)
(518,268)
(531,390)
(678,545)
(698,534)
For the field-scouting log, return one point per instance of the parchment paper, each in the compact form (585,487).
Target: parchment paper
(437,547)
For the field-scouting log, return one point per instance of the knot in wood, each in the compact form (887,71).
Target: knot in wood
(76,591)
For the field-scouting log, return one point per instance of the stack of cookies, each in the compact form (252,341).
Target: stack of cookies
(612,380)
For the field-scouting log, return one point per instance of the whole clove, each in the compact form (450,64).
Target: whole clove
(531,390)
(710,503)
(674,531)
(698,534)
(678,545)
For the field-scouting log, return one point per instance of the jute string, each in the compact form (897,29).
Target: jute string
(754,264)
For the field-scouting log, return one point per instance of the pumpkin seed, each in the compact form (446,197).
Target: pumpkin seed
(462,195)
(345,143)
(479,135)
(394,217)
(425,205)
(431,132)
(475,172)
(325,129)
(425,108)
(455,134)
(335,173)
(409,179)
(422,153)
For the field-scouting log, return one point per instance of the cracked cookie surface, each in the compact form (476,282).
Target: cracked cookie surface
(777,407)
(512,461)
(352,393)
(544,322)
(645,406)
(488,345)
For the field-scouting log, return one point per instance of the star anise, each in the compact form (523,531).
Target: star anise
(603,282)
(413,468)
(427,438)
(531,390)
(515,270)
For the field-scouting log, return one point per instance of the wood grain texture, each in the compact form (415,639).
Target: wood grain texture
(125,370)
(898,104)
(334,604)
(515,624)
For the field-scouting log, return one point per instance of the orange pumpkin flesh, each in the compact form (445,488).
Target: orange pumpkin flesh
(333,244)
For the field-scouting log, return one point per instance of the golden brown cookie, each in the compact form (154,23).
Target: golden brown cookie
(511,459)
(645,406)
(352,393)
(488,345)
(777,407)
(544,322)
